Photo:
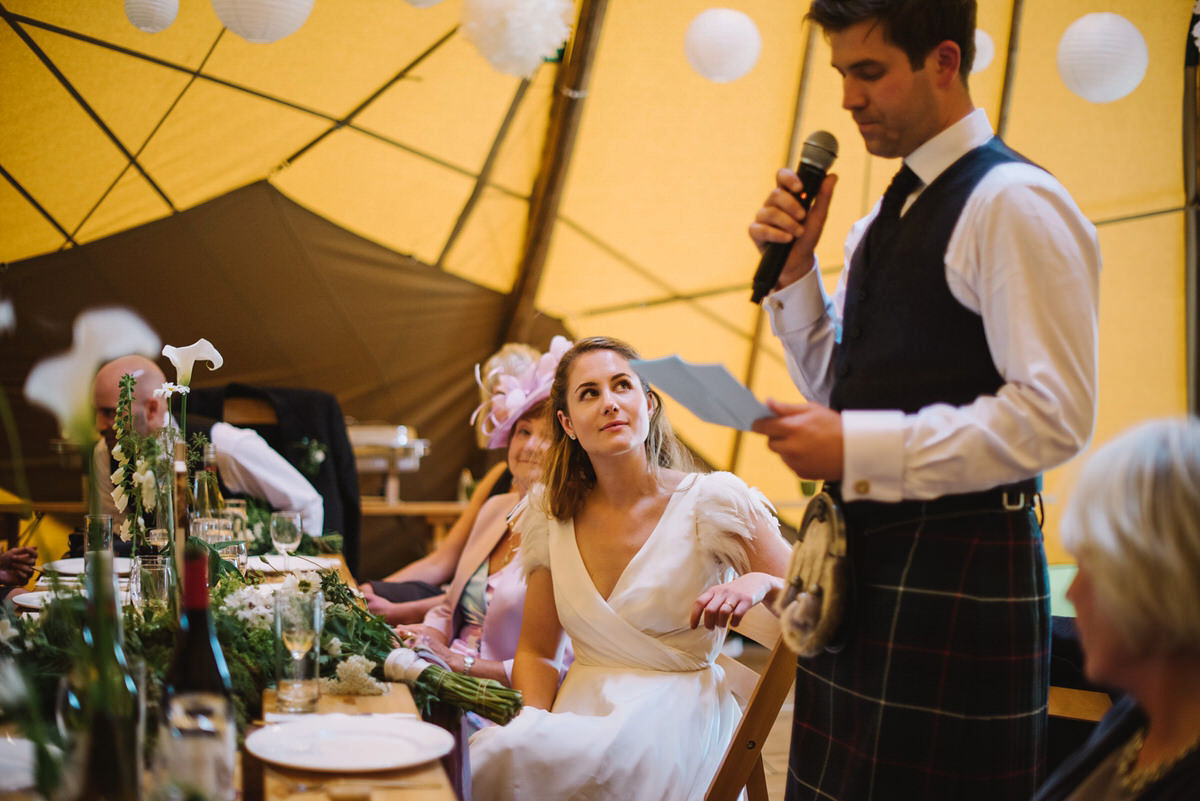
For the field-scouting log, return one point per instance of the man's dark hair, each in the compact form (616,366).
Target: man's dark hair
(914,26)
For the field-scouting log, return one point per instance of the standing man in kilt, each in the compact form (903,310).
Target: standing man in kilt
(955,362)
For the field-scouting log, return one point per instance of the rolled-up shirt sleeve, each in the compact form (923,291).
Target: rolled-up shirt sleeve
(249,465)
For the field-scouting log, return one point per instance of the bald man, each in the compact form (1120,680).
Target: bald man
(246,463)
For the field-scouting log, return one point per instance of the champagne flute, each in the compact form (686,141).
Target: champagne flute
(286,528)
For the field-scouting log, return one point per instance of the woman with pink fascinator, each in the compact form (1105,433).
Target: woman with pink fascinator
(511,382)
(475,628)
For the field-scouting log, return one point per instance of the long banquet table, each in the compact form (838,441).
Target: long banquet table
(426,782)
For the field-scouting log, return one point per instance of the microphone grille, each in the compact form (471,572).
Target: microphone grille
(820,149)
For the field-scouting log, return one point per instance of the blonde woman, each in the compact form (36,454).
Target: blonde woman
(1133,526)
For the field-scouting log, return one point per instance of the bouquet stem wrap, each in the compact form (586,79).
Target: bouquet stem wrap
(431,682)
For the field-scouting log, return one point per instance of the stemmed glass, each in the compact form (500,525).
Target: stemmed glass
(299,618)
(286,528)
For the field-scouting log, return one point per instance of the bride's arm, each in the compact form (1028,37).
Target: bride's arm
(535,669)
(726,604)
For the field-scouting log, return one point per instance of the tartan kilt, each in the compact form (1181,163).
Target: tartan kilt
(940,691)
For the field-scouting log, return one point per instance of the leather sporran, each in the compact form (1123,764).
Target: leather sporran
(815,595)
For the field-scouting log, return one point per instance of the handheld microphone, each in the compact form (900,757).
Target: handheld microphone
(817,155)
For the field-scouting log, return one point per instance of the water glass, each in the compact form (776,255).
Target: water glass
(158,538)
(299,619)
(233,547)
(152,585)
(97,536)
(286,531)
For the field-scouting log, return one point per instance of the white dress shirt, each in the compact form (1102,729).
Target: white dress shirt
(1022,256)
(248,466)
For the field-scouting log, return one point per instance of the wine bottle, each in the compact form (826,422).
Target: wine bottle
(200,732)
(110,757)
(207,489)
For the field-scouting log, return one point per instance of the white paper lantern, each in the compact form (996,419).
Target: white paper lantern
(151,16)
(1102,57)
(263,20)
(985,51)
(722,44)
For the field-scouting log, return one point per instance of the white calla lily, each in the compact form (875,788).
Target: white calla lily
(63,383)
(185,358)
(8,316)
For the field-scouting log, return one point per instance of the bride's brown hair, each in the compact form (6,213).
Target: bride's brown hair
(568,473)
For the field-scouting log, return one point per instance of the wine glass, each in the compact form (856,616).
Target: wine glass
(299,618)
(286,528)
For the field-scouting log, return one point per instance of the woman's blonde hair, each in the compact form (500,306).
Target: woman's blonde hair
(512,359)
(568,473)
(1134,517)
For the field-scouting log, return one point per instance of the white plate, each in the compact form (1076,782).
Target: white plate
(39,598)
(74,566)
(32,600)
(349,743)
(16,764)
(273,563)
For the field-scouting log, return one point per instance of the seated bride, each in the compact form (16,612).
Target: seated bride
(644,566)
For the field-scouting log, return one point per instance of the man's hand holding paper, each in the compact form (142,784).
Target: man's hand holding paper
(807,436)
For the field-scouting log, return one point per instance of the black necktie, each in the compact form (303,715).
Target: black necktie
(902,185)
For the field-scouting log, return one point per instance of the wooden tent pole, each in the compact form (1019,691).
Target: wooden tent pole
(570,90)
(1010,69)
(1191,182)
(795,144)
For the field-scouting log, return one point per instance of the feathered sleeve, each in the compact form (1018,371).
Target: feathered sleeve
(530,521)
(727,515)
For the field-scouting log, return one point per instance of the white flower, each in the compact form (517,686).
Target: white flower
(8,316)
(119,497)
(119,454)
(319,457)
(63,383)
(123,531)
(7,630)
(118,475)
(168,389)
(185,358)
(334,647)
(13,691)
(143,478)
(404,665)
(353,678)
(253,605)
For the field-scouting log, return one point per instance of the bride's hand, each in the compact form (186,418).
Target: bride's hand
(725,604)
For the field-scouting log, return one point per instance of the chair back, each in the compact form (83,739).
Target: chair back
(762,695)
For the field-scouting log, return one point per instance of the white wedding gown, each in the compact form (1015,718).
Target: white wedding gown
(643,712)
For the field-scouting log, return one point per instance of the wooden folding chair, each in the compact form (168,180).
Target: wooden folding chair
(762,696)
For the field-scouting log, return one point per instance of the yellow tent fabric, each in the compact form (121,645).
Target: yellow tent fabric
(380,118)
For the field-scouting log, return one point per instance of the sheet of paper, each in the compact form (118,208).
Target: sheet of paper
(709,390)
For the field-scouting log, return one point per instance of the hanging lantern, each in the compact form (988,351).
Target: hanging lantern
(151,16)
(722,44)
(263,21)
(985,51)
(1102,57)
(515,36)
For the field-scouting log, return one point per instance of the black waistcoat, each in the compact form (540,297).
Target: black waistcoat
(906,341)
